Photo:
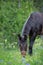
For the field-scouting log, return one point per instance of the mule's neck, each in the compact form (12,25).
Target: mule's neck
(27,26)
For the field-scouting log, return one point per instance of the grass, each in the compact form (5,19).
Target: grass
(13,57)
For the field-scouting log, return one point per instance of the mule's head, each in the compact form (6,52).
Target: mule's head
(22,41)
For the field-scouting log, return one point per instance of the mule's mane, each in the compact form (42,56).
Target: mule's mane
(25,30)
(24,27)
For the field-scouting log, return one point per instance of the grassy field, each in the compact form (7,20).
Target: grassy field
(13,57)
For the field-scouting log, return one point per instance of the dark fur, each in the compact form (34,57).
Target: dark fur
(32,28)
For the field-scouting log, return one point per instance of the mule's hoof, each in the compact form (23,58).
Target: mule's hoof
(30,51)
(30,54)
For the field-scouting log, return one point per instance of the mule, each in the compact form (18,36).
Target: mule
(32,27)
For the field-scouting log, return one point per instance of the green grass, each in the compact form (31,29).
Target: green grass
(13,57)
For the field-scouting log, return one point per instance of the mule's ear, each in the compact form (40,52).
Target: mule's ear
(25,37)
(19,36)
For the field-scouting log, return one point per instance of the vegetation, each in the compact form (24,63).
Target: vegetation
(13,14)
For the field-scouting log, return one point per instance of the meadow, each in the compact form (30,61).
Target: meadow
(13,56)
(13,14)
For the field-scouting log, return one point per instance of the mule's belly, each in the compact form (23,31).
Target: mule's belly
(42,29)
(41,32)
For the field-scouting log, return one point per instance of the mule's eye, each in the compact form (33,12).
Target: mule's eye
(20,45)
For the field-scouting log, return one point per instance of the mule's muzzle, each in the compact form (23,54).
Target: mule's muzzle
(23,53)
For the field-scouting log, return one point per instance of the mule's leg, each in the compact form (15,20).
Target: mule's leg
(31,41)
